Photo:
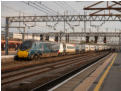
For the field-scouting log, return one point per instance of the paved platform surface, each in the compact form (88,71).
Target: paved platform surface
(84,79)
(9,52)
(7,56)
(111,81)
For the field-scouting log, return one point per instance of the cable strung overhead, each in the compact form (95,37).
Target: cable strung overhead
(47,7)
(34,6)
(70,6)
(40,7)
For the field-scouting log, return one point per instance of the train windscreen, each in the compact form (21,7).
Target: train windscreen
(26,45)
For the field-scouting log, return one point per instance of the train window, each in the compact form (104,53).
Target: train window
(70,47)
(35,44)
(46,47)
(26,45)
(40,45)
(55,47)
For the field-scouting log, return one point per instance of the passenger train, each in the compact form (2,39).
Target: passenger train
(31,49)
(12,45)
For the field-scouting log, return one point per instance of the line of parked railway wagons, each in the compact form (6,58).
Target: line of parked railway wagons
(31,49)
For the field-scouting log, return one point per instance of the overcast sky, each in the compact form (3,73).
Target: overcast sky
(17,8)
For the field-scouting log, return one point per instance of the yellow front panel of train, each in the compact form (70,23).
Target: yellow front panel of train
(22,54)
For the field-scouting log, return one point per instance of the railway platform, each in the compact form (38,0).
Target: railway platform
(109,80)
(7,58)
(9,52)
(104,75)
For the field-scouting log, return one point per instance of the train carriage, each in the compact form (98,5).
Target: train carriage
(96,47)
(12,45)
(78,48)
(31,49)
(85,47)
(100,47)
(70,48)
(92,47)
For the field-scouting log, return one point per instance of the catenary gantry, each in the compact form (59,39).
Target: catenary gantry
(71,18)
(61,18)
(81,34)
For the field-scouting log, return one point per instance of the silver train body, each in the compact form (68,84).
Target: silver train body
(78,48)
(31,49)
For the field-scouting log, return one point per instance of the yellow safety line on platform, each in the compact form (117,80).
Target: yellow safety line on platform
(104,75)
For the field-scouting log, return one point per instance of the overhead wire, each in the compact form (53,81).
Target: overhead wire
(58,4)
(35,7)
(66,5)
(70,6)
(70,26)
(63,4)
(52,11)
(14,9)
(47,7)
(38,4)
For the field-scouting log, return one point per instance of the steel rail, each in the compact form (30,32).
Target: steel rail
(21,65)
(56,81)
(15,77)
(5,79)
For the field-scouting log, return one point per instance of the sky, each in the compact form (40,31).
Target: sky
(22,8)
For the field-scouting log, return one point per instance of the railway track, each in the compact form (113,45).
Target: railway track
(16,65)
(58,64)
(63,67)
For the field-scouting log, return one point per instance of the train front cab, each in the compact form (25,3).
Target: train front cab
(24,49)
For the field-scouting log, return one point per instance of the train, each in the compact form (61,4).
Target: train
(31,49)
(12,45)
